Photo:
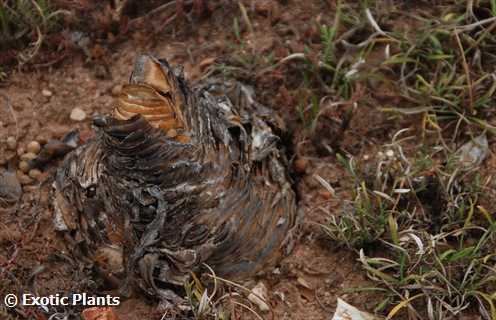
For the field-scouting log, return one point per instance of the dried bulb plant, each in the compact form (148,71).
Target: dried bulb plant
(179,176)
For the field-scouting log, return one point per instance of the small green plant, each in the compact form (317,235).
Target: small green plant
(421,234)
(324,73)
(442,69)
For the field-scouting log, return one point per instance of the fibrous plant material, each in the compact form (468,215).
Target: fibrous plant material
(176,178)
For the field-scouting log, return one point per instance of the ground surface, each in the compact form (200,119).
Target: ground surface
(34,258)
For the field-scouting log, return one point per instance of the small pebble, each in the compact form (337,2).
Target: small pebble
(19,173)
(46,93)
(24,166)
(11,143)
(42,139)
(34,173)
(77,114)
(116,90)
(325,194)
(24,179)
(21,151)
(300,165)
(28,156)
(33,147)
(390,153)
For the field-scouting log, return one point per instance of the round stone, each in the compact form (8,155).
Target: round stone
(33,147)
(28,156)
(21,151)
(11,143)
(300,165)
(34,173)
(78,114)
(24,166)
(24,179)
(46,93)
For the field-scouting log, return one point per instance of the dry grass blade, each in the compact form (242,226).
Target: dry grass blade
(244,14)
(30,53)
(237,285)
(474,25)
(467,74)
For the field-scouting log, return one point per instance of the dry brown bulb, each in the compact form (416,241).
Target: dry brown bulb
(178,177)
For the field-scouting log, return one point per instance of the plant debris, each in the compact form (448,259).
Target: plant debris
(258,296)
(179,177)
(54,149)
(345,311)
(474,152)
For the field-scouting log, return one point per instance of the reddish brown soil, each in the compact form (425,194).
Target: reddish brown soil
(307,283)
